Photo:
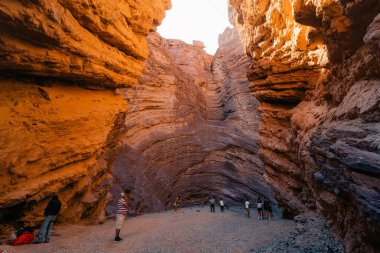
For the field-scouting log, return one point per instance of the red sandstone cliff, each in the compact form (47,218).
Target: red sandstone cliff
(191,127)
(316,72)
(55,135)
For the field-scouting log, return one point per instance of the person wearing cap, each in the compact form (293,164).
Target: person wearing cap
(122,208)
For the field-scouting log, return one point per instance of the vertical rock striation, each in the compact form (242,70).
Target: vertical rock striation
(191,128)
(60,63)
(316,72)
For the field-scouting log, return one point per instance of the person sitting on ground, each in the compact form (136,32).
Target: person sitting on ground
(24,236)
(51,211)
(221,204)
(176,204)
(247,210)
(212,204)
(122,209)
(259,205)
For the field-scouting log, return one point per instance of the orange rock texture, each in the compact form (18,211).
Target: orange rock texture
(60,63)
(316,72)
(97,42)
(191,128)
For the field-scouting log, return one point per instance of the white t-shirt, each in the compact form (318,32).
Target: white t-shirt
(246,204)
(221,203)
(259,204)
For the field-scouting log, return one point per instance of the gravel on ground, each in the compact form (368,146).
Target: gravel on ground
(191,230)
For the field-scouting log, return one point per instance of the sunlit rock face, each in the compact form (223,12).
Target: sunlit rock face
(55,135)
(98,42)
(191,128)
(316,72)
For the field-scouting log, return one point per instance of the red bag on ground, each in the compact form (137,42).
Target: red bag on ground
(24,238)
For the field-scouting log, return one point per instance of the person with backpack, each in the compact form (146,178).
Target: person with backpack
(51,211)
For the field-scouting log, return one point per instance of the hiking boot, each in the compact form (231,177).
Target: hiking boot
(117,239)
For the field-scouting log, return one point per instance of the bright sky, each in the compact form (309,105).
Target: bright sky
(190,20)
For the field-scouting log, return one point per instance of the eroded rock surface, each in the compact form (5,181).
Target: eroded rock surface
(191,128)
(316,71)
(56,136)
(96,42)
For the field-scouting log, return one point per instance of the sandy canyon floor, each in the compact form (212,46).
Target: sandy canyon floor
(190,230)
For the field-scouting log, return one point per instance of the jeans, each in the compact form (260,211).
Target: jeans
(46,228)
(212,207)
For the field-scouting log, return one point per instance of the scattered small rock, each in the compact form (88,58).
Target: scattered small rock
(312,235)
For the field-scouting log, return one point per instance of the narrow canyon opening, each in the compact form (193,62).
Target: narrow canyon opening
(191,128)
(94,102)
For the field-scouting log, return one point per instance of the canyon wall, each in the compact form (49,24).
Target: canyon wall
(191,128)
(316,73)
(60,63)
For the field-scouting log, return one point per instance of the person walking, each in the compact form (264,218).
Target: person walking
(212,204)
(246,207)
(122,209)
(51,211)
(176,204)
(259,205)
(221,204)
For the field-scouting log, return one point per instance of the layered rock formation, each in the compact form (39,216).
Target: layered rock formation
(93,42)
(191,128)
(56,136)
(191,125)
(316,71)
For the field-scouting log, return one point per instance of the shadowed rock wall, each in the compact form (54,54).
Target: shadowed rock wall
(56,136)
(316,71)
(191,128)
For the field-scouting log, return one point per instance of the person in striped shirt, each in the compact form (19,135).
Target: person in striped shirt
(122,208)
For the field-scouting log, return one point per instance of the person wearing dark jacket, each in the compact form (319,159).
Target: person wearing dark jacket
(51,211)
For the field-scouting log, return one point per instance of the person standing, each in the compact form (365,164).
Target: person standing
(122,209)
(176,204)
(51,211)
(266,208)
(259,205)
(270,211)
(247,211)
(221,204)
(212,204)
